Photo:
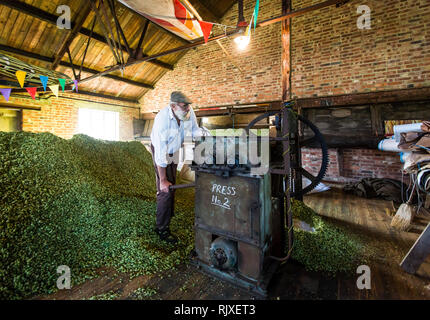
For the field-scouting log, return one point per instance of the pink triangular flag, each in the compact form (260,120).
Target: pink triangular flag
(54,89)
(32,92)
(206,29)
(6,93)
(20,75)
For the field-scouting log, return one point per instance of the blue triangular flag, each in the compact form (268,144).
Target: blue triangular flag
(44,80)
(257,5)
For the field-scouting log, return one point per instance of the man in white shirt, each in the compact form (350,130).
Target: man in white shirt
(171,125)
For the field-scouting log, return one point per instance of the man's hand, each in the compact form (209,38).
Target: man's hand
(164,185)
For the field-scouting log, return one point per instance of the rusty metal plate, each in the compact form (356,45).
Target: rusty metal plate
(250,261)
(203,244)
(230,204)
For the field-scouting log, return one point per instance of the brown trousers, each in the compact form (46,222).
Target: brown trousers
(165,200)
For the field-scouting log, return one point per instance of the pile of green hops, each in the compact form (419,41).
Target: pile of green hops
(327,247)
(84,203)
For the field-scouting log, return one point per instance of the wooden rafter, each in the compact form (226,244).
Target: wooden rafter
(71,63)
(138,53)
(86,48)
(106,30)
(72,35)
(203,10)
(118,27)
(68,65)
(52,19)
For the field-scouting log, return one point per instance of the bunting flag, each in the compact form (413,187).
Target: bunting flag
(44,80)
(32,91)
(169,14)
(62,83)
(20,75)
(248,28)
(6,93)
(256,8)
(206,29)
(54,89)
(75,86)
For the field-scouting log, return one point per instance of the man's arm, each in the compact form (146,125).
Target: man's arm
(159,141)
(164,183)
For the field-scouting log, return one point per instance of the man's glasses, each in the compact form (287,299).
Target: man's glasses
(184,106)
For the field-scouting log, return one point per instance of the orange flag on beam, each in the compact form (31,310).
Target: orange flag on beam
(206,29)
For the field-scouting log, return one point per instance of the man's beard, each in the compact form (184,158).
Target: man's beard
(183,115)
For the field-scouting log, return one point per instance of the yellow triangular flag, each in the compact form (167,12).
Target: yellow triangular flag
(248,29)
(20,75)
(54,89)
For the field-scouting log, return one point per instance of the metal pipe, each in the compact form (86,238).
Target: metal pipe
(240,9)
(182,186)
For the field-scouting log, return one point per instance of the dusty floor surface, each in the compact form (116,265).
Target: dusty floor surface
(291,281)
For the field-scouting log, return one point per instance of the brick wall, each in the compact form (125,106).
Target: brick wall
(211,78)
(60,115)
(330,55)
(354,164)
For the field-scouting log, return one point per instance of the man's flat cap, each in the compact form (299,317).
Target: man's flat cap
(179,97)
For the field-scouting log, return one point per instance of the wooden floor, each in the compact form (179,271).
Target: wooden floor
(369,217)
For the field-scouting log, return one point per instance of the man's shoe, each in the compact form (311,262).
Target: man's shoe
(166,236)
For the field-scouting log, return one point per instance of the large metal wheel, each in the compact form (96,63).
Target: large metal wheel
(303,134)
(308,136)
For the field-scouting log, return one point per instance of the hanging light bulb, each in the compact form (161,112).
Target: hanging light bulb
(242,41)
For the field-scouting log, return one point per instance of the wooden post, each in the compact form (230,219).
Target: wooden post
(286,52)
(418,253)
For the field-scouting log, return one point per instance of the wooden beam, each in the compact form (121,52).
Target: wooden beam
(378,97)
(100,95)
(138,53)
(378,128)
(418,253)
(286,52)
(299,12)
(204,12)
(11,105)
(69,65)
(119,30)
(84,12)
(109,76)
(252,107)
(52,19)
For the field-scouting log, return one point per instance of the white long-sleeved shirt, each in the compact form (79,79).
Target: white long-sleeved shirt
(167,136)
